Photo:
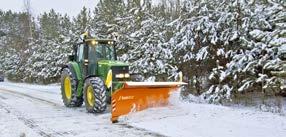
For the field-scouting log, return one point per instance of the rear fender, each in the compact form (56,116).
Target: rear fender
(69,66)
(75,69)
(89,76)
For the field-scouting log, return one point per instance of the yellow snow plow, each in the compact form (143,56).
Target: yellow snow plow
(137,96)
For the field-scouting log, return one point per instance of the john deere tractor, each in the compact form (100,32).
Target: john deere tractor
(88,76)
(94,76)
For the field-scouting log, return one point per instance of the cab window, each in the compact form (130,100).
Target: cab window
(80,53)
(102,51)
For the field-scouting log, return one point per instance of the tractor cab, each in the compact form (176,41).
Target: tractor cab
(93,49)
(101,49)
(97,57)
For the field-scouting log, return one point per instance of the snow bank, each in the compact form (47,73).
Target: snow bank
(204,120)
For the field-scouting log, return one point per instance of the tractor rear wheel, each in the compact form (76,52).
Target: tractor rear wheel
(68,89)
(95,95)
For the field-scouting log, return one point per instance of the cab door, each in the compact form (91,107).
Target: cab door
(82,59)
(92,64)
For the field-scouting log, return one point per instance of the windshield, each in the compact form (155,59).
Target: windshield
(102,51)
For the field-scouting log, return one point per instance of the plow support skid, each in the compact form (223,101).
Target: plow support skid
(137,96)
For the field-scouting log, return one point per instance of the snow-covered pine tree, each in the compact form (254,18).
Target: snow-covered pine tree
(50,50)
(196,42)
(259,27)
(146,47)
(106,16)
(19,30)
(81,23)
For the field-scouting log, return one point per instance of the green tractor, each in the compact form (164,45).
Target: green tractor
(94,76)
(87,76)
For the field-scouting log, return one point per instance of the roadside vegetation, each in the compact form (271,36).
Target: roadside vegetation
(225,48)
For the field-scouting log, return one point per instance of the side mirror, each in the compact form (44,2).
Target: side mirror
(71,57)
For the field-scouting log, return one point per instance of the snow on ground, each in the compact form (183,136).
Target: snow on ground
(50,92)
(205,120)
(32,117)
(8,121)
(28,110)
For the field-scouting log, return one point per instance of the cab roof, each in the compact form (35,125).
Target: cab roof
(100,40)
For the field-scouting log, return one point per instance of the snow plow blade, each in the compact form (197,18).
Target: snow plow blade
(137,96)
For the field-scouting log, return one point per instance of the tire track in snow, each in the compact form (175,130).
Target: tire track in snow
(32,97)
(30,123)
(2,97)
(141,129)
(44,91)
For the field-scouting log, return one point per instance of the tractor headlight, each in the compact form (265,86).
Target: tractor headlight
(94,42)
(126,75)
(119,75)
(110,42)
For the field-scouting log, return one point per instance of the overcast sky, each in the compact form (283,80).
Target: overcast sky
(71,7)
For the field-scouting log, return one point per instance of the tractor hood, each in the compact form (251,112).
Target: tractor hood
(117,67)
(111,63)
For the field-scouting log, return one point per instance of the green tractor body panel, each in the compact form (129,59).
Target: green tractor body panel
(112,63)
(75,66)
(105,65)
(116,67)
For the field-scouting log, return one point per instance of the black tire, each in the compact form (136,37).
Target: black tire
(98,91)
(74,101)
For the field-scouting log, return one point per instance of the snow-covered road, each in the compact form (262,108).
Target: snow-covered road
(34,110)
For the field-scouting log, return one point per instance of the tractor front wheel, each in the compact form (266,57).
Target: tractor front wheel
(68,89)
(95,95)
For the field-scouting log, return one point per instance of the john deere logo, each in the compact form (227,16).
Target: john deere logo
(126,97)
